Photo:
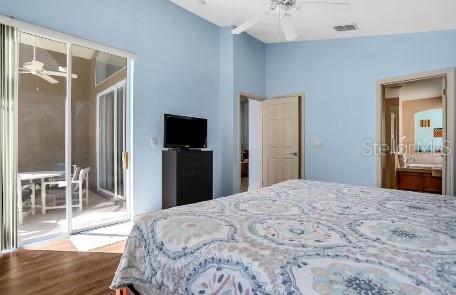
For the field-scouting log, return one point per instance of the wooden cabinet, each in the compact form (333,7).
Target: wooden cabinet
(419,180)
(186,177)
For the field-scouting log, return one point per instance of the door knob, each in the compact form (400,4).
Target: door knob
(294,154)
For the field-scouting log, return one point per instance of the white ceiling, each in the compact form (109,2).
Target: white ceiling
(316,22)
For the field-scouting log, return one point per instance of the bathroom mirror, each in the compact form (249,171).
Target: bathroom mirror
(429,131)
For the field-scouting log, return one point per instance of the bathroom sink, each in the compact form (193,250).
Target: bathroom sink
(424,166)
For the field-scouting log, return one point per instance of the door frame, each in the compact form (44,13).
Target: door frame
(113,88)
(449,106)
(237,137)
(71,40)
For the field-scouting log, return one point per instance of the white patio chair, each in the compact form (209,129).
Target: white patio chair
(56,192)
(26,205)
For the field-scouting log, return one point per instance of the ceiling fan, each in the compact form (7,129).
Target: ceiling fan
(36,68)
(282,8)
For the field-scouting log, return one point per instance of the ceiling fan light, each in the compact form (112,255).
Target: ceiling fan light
(287,26)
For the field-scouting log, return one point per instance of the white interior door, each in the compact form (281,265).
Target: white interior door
(281,138)
(255,144)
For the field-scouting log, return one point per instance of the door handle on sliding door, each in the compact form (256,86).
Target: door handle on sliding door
(125,160)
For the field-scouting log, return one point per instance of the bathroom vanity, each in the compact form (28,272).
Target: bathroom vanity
(419,179)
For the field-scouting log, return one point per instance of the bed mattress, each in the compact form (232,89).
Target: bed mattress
(297,237)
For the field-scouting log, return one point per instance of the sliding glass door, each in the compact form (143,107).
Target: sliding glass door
(41,149)
(98,137)
(111,141)
(72,138)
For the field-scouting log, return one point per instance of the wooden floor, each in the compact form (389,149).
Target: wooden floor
(59,271)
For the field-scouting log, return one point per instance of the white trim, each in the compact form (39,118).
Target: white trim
(114,116)
(101,225)
(129,139)
(449,73)
(63,37)
(68,140)
(110,89)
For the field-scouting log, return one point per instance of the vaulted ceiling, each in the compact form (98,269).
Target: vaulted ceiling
(317,21)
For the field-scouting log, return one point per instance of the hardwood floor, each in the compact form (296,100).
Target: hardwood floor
(59,271)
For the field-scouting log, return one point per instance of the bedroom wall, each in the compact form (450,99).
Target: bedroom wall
(339,80)
(176,71)
(242,70)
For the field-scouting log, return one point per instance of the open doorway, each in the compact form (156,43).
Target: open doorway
(417,129)
(244,116)
(270,142)
(250,142)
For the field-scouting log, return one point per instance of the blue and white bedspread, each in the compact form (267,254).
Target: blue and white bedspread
(297,237)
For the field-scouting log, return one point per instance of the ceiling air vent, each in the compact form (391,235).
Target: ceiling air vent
(349,27)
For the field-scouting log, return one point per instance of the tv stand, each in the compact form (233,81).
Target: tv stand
(187,177)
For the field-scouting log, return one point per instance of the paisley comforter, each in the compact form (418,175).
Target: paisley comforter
(297,237)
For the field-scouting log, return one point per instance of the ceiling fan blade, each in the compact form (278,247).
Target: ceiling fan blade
(250,23)
(323,2)
(48,78)
(288,28)
(59,74)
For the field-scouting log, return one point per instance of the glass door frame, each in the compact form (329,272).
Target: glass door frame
(122,84)
(69,40)
(129,143)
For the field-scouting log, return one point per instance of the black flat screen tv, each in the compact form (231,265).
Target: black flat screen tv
(184,132)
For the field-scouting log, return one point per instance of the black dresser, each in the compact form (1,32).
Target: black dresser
(187,177)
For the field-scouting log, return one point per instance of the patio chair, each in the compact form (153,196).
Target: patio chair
(53,192)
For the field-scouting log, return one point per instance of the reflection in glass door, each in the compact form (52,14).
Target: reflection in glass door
(105,158)
(121,161)
(111,141)
(98,137)
(41,186)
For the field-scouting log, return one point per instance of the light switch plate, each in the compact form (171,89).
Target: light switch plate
(154,142)
(318,144)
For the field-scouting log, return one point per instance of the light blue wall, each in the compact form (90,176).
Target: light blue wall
(250,58)
(176,71)
(226,107)
(249,78)
(339,80)
(188,66)
(185,65)
(242,71)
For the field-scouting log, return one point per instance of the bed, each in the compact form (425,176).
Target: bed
(297,237)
